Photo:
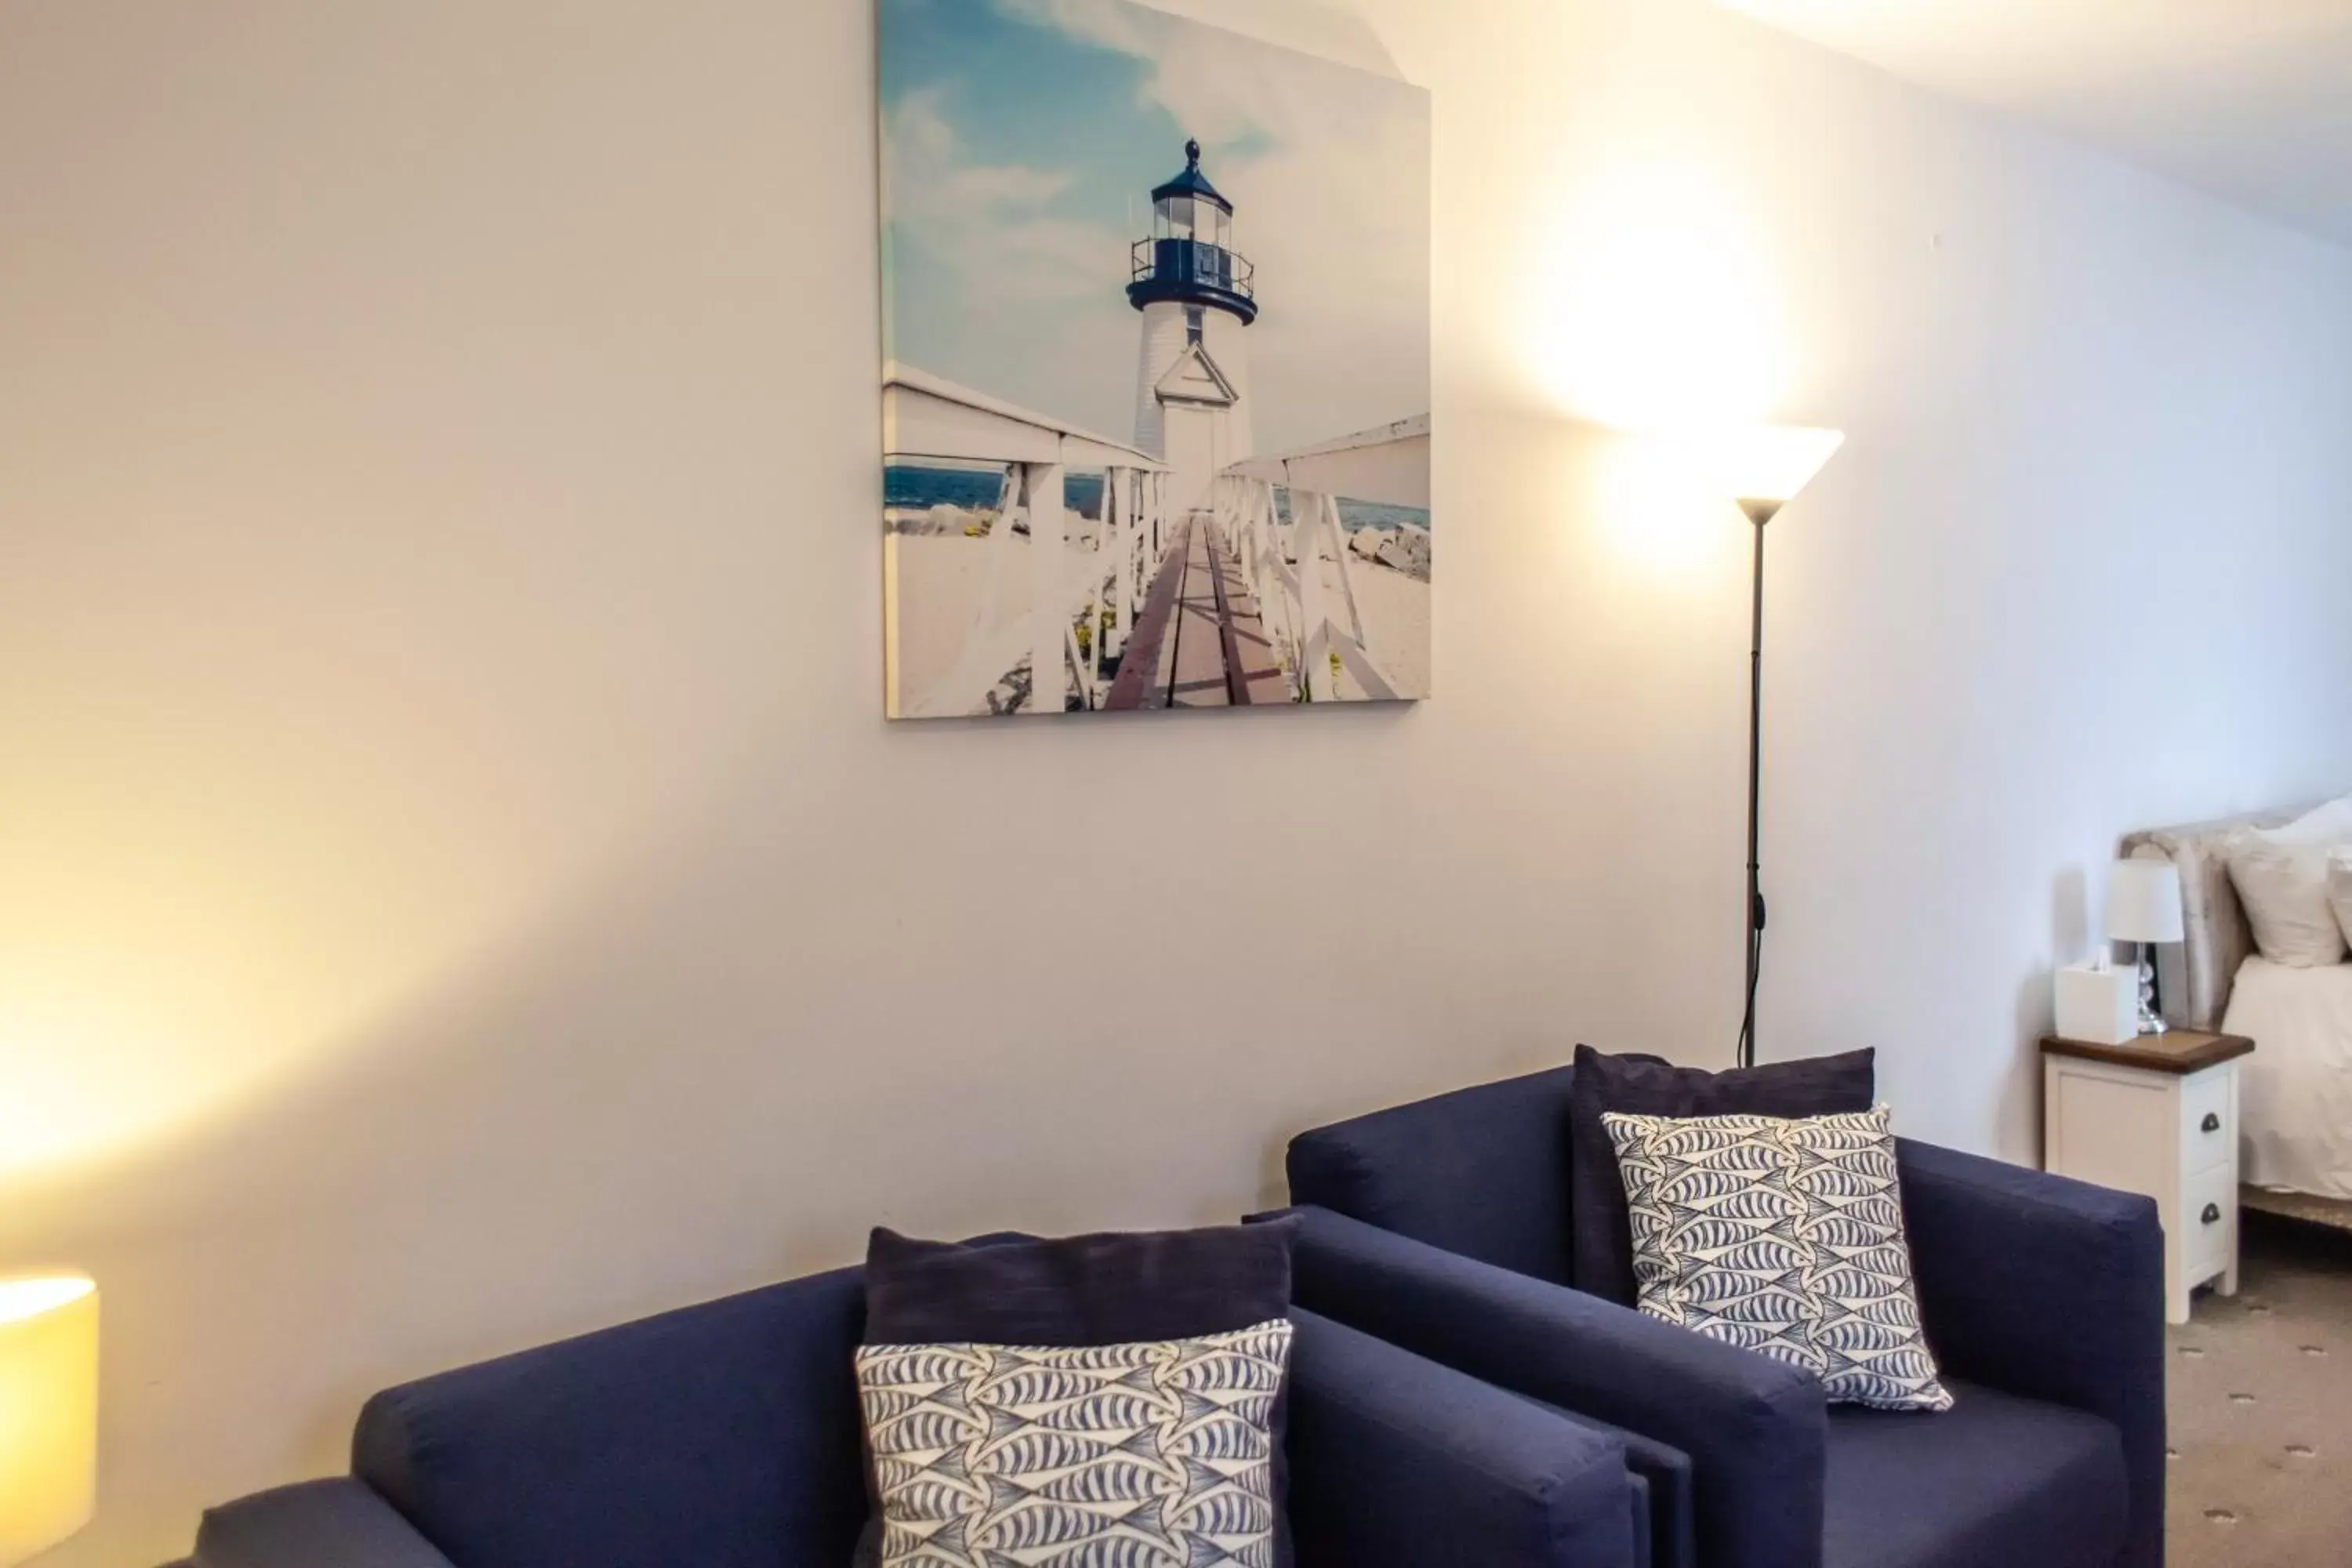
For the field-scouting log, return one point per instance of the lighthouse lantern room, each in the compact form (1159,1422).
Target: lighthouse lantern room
(1198,298)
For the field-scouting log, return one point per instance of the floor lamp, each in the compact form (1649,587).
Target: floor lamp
(1764,471)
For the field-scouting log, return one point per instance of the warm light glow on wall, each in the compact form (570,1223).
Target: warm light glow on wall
(1657,308)
(159,966)
(1658,512)
(271,795)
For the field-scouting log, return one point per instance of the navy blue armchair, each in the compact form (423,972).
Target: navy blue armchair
(1443,1227)
(727,1436)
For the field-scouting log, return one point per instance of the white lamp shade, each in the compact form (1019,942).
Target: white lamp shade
(2144,901)
(48,1410)
(1772,465)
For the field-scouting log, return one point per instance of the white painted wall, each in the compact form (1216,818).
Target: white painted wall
(460,889)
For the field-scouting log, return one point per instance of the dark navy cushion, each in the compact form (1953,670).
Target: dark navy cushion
(1113,1289)
(1646,1085)
(724,1436)
(1481,1172)
(1996,1479)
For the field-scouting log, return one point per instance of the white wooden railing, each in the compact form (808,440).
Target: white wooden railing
(1099,586)
(1312,617)
(1282,563)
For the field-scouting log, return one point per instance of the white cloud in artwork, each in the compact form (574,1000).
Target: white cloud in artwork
(1104,22)
(1021,290)
(987,225)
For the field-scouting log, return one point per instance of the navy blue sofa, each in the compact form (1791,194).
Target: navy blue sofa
(1445,1227)
(727,1436)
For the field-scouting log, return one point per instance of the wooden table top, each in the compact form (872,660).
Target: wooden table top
(2180,1051)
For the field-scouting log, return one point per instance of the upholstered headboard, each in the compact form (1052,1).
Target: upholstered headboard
(2193,978)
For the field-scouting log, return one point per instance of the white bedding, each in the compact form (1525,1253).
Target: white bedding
(2295,1093)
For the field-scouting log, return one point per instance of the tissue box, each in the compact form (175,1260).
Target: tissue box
(2101,1005)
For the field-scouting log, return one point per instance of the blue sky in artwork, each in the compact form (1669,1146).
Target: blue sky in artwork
(1016,88)
(1021,140)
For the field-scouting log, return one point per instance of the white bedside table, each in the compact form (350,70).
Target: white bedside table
(2157,1115)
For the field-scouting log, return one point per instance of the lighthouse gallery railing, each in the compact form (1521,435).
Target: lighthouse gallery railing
(1193,261)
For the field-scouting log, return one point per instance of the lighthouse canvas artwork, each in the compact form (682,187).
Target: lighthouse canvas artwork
(1155,366)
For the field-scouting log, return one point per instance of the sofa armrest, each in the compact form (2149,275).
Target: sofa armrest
(1756,1430)
(1398,1462)
(1668,1537)
(317,1524)
(1482,1172)
(673,1439)
(2050,1289)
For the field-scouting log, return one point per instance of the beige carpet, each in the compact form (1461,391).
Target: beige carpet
(2261,1406)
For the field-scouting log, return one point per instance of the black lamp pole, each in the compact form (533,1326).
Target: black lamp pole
(1760,512)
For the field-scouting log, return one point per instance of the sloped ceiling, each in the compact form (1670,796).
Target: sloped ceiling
(2250,99)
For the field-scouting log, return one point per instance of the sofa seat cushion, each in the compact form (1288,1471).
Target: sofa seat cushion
(1994,1480)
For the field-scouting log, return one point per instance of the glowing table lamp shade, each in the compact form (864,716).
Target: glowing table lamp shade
(48,1410)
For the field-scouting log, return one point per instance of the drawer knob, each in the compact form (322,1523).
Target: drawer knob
(2212,1122)
(2212,1215)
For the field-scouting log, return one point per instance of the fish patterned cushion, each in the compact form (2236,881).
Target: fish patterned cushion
(1152,1455)
(1783,1237)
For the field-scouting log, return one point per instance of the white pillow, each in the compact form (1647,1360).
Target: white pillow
(2329,824)
(2281,878)
(1784,1237)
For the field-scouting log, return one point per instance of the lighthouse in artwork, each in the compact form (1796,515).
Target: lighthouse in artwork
(1197,298)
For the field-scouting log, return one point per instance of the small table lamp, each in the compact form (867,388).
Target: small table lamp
(2143,908)
(48,1410)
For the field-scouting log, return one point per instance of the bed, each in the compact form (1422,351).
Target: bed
(2296,1091)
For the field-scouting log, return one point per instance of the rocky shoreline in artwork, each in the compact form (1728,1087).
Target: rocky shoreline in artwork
(945,520)
(1402,547)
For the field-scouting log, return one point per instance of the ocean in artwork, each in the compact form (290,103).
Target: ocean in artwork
(911,488)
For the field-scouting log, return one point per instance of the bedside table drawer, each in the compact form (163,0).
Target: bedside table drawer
(2209,1122)
(2205,1243)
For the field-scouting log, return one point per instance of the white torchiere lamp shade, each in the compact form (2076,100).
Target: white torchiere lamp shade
(48,1410)
(1766,468)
